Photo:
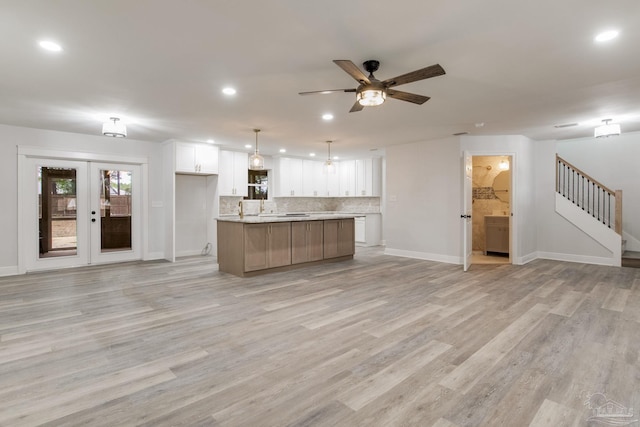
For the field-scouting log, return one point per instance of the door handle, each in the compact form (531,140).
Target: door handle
(465,216)
(93,212)
(93,220)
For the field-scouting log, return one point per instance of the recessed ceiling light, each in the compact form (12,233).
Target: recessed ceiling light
(312,154)
(605,36)
(336,158)
(247,146)
(229,91)
(210,141)
(50,46)
(327,116)
(479,124)
(283,150)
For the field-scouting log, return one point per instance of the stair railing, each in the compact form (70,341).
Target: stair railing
(596,199)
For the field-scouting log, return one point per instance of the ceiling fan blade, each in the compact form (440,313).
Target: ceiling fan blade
(424,73)
(352,69)
(324,92)
(406,96)
(356,107)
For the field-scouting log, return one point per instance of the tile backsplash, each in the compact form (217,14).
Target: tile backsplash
(229,205)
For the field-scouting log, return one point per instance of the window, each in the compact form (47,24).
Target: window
(258,185)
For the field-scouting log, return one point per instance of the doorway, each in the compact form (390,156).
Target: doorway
(79,213)
(488,209)
(491,209)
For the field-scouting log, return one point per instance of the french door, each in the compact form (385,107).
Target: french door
(80,213)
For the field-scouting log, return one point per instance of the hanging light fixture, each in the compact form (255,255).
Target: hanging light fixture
(114,127)
(256,161)
(607,129)
(329,165)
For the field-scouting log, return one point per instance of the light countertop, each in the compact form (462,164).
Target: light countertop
(263,218)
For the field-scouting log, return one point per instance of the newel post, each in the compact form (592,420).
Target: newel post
(618,227)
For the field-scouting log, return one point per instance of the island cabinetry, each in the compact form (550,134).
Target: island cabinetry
(339,238)
(267,245)
(307,241)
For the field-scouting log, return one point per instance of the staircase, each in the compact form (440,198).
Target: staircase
(631,259)
(592,207)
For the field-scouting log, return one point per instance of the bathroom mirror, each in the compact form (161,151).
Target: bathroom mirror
(502,186)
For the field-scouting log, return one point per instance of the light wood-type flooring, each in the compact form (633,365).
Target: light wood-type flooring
(376,341)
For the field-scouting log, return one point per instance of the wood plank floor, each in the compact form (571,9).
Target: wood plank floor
(376,341)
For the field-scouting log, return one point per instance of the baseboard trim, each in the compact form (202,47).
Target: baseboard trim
(583,259)
(152,256)
(424,256)
(9,271)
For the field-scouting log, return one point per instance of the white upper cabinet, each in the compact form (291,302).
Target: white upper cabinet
(347,178)
(289,177)
(314,180)
(194,158)
(369,177)
(333,181)
(308,178)
(233,178)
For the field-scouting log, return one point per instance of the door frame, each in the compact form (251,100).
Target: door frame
(513,219)
(25,152)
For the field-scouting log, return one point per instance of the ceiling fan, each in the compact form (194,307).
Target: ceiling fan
(372,92)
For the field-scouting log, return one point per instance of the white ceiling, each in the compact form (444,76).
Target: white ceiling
(519,67)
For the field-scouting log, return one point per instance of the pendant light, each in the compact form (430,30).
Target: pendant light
(256,161)
(329,166)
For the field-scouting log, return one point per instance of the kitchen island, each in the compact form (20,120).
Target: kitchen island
(259,244)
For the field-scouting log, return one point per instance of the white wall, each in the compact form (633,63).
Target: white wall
(11,137)
(612,161)
(423,195)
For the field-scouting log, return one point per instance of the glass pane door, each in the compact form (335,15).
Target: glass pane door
(57,219)
(115,212)
(55,206)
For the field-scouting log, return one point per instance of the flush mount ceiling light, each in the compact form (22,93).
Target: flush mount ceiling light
(329,166)
(607,129)
(229,91)
(327,116)
(256,161)
(114,127)
(50,46)
(605,36)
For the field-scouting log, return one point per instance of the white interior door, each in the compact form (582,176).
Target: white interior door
(79,213)
(467,208)
(115,212)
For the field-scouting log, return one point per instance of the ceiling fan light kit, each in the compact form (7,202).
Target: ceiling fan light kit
(114,127)
(607,129)
(372,92)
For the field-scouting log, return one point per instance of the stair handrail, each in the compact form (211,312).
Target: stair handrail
(616,194)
